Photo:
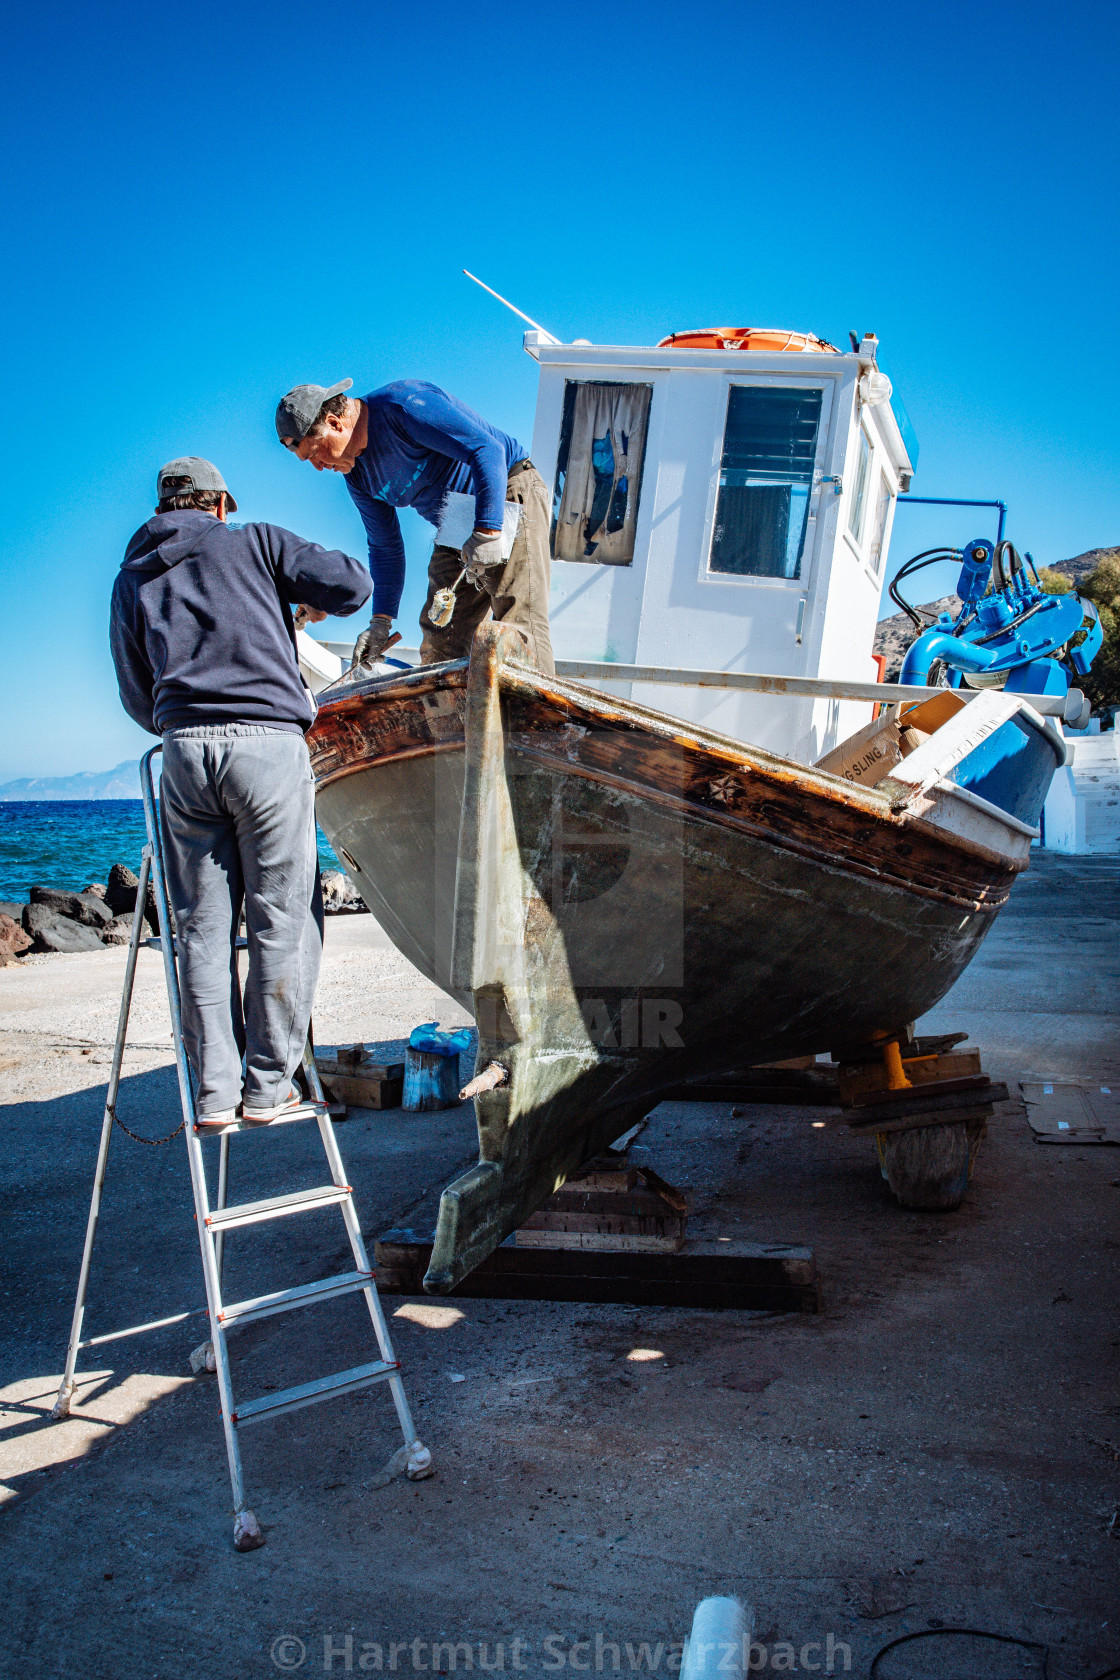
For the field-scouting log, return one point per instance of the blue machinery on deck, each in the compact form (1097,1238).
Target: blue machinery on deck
(1012,635)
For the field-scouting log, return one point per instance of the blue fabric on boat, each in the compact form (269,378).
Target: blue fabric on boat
(429,1039)
(201,626)
(421,444)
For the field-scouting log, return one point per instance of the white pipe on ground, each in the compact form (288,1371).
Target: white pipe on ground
(720,1641)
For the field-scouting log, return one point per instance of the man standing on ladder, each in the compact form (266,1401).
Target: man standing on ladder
(409,444)
(203,641)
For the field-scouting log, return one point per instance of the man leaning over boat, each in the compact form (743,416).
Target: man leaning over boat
(410,444)
(203,640)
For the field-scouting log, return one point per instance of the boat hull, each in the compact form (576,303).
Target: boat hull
(627,904)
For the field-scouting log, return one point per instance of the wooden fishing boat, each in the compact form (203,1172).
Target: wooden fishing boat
(627,902)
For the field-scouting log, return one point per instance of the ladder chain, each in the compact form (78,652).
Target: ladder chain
(155,1142)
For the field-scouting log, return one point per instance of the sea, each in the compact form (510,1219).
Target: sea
(71,842)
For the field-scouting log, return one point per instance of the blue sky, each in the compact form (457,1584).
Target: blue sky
(204,207)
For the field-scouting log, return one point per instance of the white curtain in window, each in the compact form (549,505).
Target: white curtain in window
(599,507)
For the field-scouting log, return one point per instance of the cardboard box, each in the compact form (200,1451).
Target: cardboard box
(868,755)
(873,751)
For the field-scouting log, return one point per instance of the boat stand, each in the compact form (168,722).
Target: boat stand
(215,1220)
(617,1232)
(924,1102)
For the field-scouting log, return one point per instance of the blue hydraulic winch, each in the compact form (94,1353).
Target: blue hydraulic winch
(1009,633)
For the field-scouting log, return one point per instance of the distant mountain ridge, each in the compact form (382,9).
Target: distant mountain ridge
(1082,564)
(122,782)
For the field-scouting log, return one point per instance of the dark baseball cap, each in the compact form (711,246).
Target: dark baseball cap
(192,473)
(298,411)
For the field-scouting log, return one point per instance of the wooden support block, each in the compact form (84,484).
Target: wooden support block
(857,1082)
(925,1106)
(348,1077)
(712,1274)
(918,1121)
(607,1210)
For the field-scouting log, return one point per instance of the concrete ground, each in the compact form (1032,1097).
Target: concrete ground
(938,1448)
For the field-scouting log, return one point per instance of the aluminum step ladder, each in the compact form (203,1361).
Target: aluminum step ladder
(215,1220)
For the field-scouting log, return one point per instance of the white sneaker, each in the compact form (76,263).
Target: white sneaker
(262,1116)
(217,1121)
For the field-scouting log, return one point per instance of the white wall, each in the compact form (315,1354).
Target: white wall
(1083,805)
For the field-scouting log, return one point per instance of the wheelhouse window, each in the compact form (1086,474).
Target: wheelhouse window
(765,480)
(858,507)
(599,471)
(879,527)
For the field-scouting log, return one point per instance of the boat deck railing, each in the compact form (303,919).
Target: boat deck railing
(757,682)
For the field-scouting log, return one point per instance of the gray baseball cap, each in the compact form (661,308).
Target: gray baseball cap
(298,411)
(199,475)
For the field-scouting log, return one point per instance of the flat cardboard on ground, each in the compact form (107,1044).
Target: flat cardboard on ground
(1072,1110)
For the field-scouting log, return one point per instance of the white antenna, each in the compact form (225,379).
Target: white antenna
(550,336)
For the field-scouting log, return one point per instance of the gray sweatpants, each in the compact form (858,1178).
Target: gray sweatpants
(237,806)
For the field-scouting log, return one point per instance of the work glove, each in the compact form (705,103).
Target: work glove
(371,644)
(482,551)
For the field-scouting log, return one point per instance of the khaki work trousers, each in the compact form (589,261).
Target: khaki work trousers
(516,592)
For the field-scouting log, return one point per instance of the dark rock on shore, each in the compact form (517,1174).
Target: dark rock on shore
(51,931)
(77,907)
(340,895)
(120,895)
(13,938)
(120,890)
(57,919)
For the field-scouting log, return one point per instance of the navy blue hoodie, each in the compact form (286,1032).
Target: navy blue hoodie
(201,624)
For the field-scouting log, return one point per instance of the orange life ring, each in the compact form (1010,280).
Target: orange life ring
(746,338)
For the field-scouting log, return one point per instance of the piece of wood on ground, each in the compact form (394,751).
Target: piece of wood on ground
(714,1273)
(926,1100)
(626,1209)
(351,1075)
(1072,1110)
(929,1167)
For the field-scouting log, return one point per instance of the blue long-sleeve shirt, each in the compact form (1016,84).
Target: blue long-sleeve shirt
(421,444)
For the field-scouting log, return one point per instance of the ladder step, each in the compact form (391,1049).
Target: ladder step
(304,1294)
(306,1111)
(277,1207)
(291,1399)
